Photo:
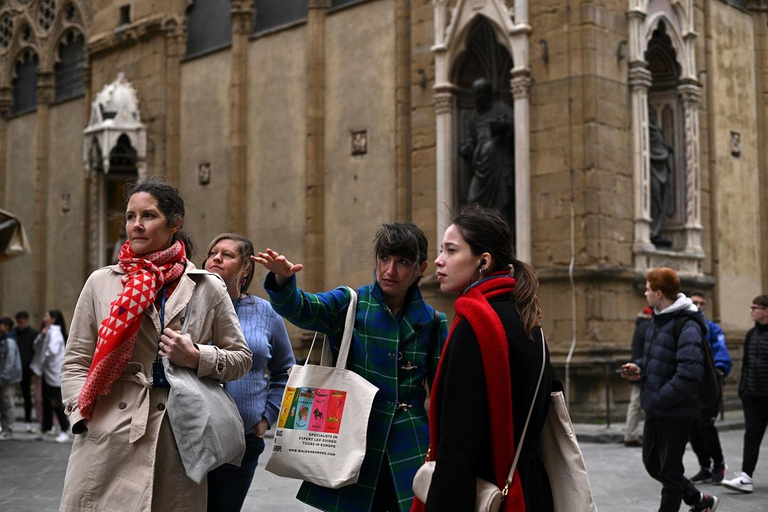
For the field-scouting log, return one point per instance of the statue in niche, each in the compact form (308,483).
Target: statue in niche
(488,150)
(661,174)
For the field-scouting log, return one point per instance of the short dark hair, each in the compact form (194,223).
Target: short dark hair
(245,251)
(697,293)
(403,239)
(22,315)
(169,202)
(6,321)
(761,300)
(665,280)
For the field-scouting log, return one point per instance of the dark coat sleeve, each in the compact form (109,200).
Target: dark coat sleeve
(463,424)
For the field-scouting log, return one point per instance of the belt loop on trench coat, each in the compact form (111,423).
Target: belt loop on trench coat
(141,409)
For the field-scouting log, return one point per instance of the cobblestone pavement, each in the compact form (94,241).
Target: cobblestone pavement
(32,476)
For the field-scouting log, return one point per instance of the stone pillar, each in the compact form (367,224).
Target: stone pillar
(242,19)
(88,265)
(45,93)
(446,195)
(314,273)
(640,80)
(175,47)
(6,103)
(521,88)
(403,112)
(690,94)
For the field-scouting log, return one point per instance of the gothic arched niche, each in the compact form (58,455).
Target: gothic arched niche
(484,122)
(122,174)
(666,109)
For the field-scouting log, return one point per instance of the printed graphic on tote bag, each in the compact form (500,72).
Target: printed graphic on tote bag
(315,410)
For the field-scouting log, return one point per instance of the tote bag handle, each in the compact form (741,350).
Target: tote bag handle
(346,339)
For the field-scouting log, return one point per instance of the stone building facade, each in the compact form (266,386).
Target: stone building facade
(306,124)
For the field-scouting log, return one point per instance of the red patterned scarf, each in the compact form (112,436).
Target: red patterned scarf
(474,307)
(144,276)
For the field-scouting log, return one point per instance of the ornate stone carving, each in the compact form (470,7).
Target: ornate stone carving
(521,86)
(443,103)
(640,78)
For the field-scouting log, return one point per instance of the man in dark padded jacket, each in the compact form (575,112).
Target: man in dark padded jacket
(671,370)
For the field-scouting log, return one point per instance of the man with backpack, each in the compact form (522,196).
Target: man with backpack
(672,371)
(704,438)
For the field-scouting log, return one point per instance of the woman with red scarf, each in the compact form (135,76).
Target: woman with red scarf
(488,372)
(127,318)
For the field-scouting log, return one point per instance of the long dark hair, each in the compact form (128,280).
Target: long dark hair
(169,202)
(485,230)
(245,251)
(58,319)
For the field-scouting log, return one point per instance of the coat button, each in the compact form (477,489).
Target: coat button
(220,367)
(122,405)
(160,407)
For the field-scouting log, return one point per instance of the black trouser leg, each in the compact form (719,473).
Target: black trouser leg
(755,422)
(663,449)
(52,402)
(700,447)
(26,384)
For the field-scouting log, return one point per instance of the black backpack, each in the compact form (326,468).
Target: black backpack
(709,387)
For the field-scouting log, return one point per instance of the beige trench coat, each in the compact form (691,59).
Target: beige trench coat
(125,457)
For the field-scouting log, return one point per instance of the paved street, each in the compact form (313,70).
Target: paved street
(32,475)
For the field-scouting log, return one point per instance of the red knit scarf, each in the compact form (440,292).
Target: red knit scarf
(144,276)
(474,307)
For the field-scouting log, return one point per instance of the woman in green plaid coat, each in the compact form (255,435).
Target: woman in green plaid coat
(396,345)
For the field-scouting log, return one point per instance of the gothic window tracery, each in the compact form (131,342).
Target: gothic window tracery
(68,70)
(25,83)
(6,30)
(46,14)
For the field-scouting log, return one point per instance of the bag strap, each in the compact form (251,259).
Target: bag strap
(346,338)
(530,412)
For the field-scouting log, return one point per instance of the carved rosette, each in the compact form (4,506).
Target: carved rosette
(521,87)
(443,103)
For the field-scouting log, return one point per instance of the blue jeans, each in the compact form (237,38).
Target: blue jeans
(228,484)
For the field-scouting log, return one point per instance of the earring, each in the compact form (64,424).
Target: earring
(242,282)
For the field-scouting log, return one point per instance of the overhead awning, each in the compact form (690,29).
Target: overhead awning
(13,239)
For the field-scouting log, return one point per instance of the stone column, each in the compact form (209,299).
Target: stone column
(6,103)
(690,94)
(640,80)
(314,273)
(242,19)
(87,261)
(521,88)
(45,93)
(175,47)
(403,112)
(446,195)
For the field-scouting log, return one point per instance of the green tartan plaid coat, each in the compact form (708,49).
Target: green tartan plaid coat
(396,355)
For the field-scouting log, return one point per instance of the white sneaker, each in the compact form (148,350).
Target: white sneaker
(63,437)
(28,427)
(742,482)
(6,435)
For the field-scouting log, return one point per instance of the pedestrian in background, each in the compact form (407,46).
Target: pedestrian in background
(46,364)
(396,346)
(258,394)
(10,375)
(635,409)
(25,336)
(704,437)
(671,369)
(753,391)
(489,371)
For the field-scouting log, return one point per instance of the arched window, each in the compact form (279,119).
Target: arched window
(25,83)
(68,71)
(209,26)
(269,14)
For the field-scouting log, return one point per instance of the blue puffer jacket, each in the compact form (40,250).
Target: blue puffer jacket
(672,369)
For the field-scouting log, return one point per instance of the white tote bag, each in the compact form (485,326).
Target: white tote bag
(323,423)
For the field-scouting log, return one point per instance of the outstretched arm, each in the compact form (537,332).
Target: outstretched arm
(278,265)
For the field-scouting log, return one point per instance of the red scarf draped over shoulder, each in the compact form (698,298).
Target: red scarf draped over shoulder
(144,276)
(473,306)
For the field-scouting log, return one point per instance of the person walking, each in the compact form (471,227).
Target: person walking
(396,346)
(671,370)
(25,335)
(258,394)
(634,409)
(705,440)
(753,392)
(128,317)
(10,375)
(489,371)
(46,364)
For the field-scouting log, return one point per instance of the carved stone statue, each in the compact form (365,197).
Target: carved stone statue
(488,150)
(661,173)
